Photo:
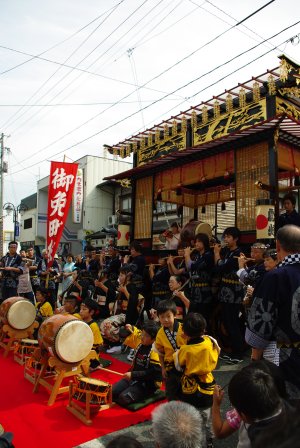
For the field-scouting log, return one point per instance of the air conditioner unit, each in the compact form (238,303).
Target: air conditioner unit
(112,220)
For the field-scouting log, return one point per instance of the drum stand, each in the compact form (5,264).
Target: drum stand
(15,335)
(24,349)
(84,413)
(63,370)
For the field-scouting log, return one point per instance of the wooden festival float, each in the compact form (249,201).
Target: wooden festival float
(239,150)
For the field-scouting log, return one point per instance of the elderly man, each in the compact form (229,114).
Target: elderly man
(177,424)
(275,311)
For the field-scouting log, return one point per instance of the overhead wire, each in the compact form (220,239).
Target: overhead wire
(185,85)
(125,33)
(92,51)
(157,76)
(55,45)
(162,18)
(67,74)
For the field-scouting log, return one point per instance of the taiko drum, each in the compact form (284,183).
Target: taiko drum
(17,312)
(191,229)
(66,337)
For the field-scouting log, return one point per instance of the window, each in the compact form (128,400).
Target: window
(28,223)
(126,203)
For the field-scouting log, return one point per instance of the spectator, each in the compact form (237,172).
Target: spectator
(177,425)
(254,395)
(274,313)
(290,216)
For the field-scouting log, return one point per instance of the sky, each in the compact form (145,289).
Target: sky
(75,75)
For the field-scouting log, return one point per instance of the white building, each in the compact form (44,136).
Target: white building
(97,206)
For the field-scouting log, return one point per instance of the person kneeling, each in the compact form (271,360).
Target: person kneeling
(145,376)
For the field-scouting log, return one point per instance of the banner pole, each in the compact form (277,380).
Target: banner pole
(47,281)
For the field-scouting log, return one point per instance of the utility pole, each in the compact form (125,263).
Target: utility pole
(1,193)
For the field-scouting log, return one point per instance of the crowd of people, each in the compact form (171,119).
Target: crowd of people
(166,314)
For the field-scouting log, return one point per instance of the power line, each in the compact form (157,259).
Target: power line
(177,63)
(83,104)
(146,107)
(92,51)
(157,76)
(53,74)
(133,47)
(55,45)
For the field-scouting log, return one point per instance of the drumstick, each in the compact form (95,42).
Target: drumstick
(111,371)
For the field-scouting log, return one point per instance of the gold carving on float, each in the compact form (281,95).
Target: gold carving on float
(276,137)
(292,91)
(204,114)
(194,119)
(164,143)
(216,109)
(174,128)
(242,97)
(256,91)
(229,103)
(237,120)
(285,69)
(285,107)
(271,85)
(125,183)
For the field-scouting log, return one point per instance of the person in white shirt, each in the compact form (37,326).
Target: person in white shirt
(173,241)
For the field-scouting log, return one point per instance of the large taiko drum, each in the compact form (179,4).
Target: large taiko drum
(192,228)
(65,337)
(17,312)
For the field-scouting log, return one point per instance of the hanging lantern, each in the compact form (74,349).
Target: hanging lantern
(115,152)
(149,139)
(128,150)
(142,143)
(134,146)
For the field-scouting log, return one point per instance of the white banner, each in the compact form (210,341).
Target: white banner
(78,197)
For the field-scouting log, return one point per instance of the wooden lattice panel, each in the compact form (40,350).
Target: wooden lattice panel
(143,208)
(252,164)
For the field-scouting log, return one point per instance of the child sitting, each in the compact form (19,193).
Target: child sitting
(169,338)
(89,310)
(70,306)
(145,375)
(43,306)
(197,359)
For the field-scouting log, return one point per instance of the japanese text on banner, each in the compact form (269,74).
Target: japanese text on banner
(61,187)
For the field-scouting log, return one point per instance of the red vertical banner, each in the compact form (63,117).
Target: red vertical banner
(61,186)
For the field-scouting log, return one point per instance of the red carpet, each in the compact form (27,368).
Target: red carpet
(35,425)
